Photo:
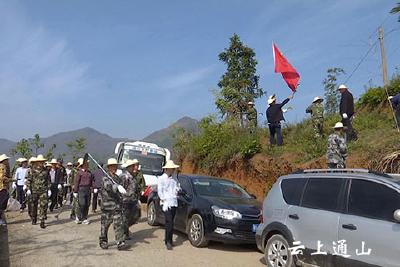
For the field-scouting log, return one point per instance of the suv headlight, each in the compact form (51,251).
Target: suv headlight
(225,214)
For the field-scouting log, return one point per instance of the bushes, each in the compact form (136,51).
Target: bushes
(217,143)
(375,96)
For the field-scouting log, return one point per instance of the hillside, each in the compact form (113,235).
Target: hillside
(102,145)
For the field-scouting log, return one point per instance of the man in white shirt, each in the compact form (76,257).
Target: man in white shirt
(19,181)
(168,189)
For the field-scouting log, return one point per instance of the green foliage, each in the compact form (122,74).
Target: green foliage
(76,147)
(36,143)
(396,10)
(239,84)
(332,95)
(217,143)
(375,96)
(22,148)
(50,152)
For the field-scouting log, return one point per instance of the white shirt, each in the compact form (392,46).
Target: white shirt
(52,176)
(20,174)
(168,189)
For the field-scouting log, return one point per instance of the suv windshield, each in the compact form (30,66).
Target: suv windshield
(218,188)
(150,163)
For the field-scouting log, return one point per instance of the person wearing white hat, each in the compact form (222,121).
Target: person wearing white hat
(4,183)
(130,209)
(53,172)
(82,191)
(69,172)
(251,116)
(19,181)
(138,176)
(38,188)
(111,206)
(337,148)
(346,112)
(274,117)
(316,109)
(168,189)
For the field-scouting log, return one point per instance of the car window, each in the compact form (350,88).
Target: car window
(292,190)
(322,193)
(218,188)
(372,200)
(185,184)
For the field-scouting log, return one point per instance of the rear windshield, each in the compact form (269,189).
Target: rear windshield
(292,190)
(150,163)
(218,188)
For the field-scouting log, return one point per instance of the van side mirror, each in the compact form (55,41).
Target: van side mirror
(396,215)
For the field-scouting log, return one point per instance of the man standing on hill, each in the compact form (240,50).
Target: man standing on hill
(395,101)
(252,117)
(337,148)
(347,112)
(317,116)
(275,116)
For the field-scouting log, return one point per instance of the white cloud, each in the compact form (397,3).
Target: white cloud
(186,79)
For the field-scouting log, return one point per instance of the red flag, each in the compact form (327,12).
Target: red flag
(289,74)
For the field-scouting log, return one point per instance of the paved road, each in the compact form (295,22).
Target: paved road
(64,243)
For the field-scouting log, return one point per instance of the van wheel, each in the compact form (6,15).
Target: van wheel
(196,232)
(277,252)
(152,214)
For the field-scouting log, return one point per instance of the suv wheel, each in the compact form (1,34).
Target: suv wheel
(151,214)
(277,252)
(196,231)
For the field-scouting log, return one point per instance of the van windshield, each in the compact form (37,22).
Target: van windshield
(150,163)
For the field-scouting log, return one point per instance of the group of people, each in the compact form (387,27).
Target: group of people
(38,181)
(343,130)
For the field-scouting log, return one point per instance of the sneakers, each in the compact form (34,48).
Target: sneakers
(86,222)
(169,246)
(72,217)
(33,221)
(42,225)
(122,246)
(103,245)
(77,221)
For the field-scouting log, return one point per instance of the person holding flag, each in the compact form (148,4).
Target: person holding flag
(274,117)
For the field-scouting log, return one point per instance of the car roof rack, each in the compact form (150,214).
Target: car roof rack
(337,171)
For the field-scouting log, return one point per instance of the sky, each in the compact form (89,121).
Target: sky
(128,68)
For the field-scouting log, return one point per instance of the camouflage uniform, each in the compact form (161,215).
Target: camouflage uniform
(252,118)
(38,182)
(130,209)
(140,183)
(111,208)
(75,211)
(337,152)
(4,184)
(317,117)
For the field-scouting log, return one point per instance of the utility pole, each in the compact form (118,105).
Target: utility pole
(383,57)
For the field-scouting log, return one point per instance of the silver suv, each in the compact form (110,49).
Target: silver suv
(335,217)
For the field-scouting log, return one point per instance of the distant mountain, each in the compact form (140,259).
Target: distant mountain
(101,145)
(165,137)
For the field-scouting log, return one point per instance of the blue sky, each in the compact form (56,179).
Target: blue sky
(127,68)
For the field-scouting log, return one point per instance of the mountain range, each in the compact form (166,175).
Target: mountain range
(101,145)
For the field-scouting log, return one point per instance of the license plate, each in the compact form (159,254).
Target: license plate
(255,226)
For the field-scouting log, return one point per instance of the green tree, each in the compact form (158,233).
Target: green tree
(50,152)
(22,148)
(332,95)
(396,10)
(36,143)
(77,147)
(239,84)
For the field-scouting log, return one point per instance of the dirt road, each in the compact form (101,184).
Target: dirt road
(64,243)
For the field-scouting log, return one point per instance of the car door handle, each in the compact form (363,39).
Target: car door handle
(294,216)
(351,227)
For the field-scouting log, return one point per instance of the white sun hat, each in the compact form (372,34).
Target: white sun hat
(112,161)
(70,164)
(250,103)
(170,165)
(20,160)
(342,86)
(53,161)
(130,162)
(390,97)
(3,157)
(317,98)
(338,125)
(271,99)
(32,159)
(40,158)
(80,161)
